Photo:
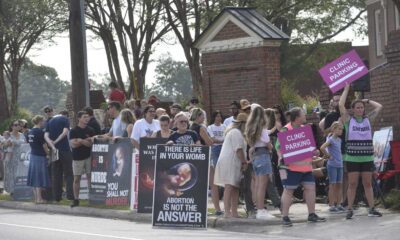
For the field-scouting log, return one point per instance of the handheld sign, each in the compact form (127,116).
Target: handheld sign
(346,69)
(297,144)
(181,186)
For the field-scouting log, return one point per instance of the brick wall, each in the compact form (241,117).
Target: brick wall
(252,73)
(230,31)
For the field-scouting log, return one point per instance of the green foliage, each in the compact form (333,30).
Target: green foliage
(21,113)
(173,81)
(292,98)
(40,86)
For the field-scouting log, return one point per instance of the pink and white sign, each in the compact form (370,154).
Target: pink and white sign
(297,144)
(346,69)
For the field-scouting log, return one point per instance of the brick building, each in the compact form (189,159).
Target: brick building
(240,59)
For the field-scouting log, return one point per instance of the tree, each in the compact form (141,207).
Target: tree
(173,80)
(137,25)
(25,23)
(40,86)
(305,21)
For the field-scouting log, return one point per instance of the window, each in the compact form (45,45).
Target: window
(397,18)
(378,32)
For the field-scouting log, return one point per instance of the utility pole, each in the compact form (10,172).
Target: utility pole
(79,71)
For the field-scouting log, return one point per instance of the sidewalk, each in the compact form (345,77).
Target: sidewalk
(298,214)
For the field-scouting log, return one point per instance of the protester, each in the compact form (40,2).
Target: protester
(245,106)
(116,94)
(160,112)
(165,131)
(93,123)
(118,127)
(197,118)
(137,108)
(295,173)
(145,127)
(359,149)
(257,137)
(11,162)
(234,109)
(56,136)
(81,140)
(332,152)
(195,103)
(174,109)
(48,111)
(231,162)
(280,119)
(216,131)
(183,135)
(38,175)
(128,119)
(24,128)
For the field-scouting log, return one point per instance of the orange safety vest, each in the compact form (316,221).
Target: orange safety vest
(299,166)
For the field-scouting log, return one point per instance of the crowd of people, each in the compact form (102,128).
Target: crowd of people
(245,151)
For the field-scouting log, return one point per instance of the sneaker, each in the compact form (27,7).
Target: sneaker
(286,222)
(333,209)
(251,214)
(263,214)
(349,214)
(340,208)
(75,203)
(374,213)
(314,218)
(219,213)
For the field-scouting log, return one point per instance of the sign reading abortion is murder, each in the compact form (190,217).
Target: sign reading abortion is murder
(181,186)
(297,144)
(346,69)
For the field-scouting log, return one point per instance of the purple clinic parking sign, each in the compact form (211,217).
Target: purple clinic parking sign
(346,69)
(297,144)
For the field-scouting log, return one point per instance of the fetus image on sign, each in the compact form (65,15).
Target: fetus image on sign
(178,179)
(118,162)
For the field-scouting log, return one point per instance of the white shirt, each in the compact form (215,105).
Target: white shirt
(217,132)
(228,121)
(264,139)
(118,127)
(144,129)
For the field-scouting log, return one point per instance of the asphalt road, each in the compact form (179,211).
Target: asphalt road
(22,225)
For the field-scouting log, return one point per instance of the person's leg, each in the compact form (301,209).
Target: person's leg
(214,191)
(234,201)
(367,184)
(66,158)
(352,187)
(286,199)
(228,200)
(57,177)
(272,192)
(247,190)
(77,186)
(39,195)
(261,189)
(332,175)
(309,194)
(34,195)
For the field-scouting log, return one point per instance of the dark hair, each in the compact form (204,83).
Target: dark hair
(115,104)
(354,102)
(164,118)
(81,113)
(214,116)
(295,113)
(194,100)
(64,112)
(113,85)
(47,108)
(147,108)
(271,117)
(12,123)
(89,111)
(280,110)
(236,104)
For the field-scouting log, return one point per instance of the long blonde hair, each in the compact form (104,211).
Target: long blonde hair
(256,123)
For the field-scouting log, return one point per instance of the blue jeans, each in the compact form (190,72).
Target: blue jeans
(335,174)
(262,164)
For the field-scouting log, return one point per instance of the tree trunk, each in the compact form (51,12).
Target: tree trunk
(14,89)
(397,3)
(4,111)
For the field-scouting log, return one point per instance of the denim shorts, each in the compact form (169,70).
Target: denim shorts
(335,174)
(262,164)
(291,180)
(215,152)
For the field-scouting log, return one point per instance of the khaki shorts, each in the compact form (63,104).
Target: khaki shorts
(80,167)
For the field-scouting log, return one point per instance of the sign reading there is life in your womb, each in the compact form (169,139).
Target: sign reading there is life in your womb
(297,144)
(346,69)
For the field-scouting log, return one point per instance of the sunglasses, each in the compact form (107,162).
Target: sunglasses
(151,111)
(16,125)
(184,121)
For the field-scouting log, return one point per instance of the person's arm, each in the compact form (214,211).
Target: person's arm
(342,101)
(321,125)
(61,136)
(377,108)
(129,129)
(49,141)
(204,135)
(323,149)
(76,142)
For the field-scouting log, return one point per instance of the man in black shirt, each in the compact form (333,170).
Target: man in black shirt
(93,123)
(81,142)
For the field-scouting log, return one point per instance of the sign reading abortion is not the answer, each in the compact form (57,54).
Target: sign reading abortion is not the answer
(181,186)
(346,69)
(297,144)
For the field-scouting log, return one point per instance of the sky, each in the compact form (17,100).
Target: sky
(57,55)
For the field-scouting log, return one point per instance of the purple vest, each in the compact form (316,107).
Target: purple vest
(359,138)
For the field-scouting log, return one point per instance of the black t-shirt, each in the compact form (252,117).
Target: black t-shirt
(331,118)
(188,138)
(196,128)
(81,152)
(94,125)
(36,141)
